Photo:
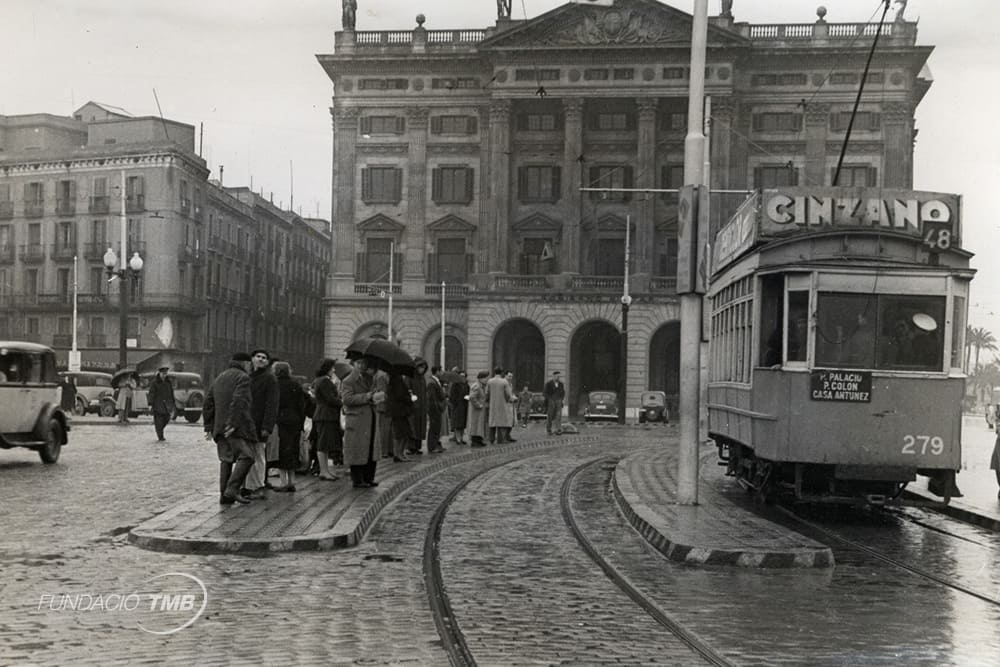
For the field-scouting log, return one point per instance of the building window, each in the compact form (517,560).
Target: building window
(135,196)
(776,176)
(610,257)
(610,176)
(595,74)
(34,199)
(674,73)
(782,79)
(624,74)
(383,84)
(606,122)
(856,175)
(373,264)
(383,125)
(538,257)
(6,239)
(674,121)
(451,264)
(771,121)
(864,121)
(462,83)
(381,185)
(538,122)
(452,185)
(31,282)
(99,200)
(65,197)
(671,178)
(461,125)
(6,204)
(536,75)
(96,280)
(185,198)
(538,184)
(666,261)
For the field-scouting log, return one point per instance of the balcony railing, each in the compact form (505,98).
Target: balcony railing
(63,250)
(598,283)
(377,289)
(100,204)
(520,282)
(33,209)
(6,210)
(95,249)
(456,290)
(65,206)
(663,284)
(135,203)
(32,252)
(92,299)
(57,299)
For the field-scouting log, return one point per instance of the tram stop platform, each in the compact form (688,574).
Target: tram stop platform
(323,515)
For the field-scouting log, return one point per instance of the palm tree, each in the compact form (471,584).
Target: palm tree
(980,339)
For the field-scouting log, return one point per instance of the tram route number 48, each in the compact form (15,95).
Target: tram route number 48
(937,237)
(920,444)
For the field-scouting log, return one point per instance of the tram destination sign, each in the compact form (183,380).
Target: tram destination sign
(934,217)
(841,385)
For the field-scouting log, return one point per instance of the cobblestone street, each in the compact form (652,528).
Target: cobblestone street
(521,589)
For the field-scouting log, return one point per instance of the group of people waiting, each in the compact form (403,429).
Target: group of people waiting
(256,413)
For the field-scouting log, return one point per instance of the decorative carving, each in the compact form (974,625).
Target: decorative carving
(572,109)
(503,9)
(451,223)
(499,111)
(817,114)
(896,112)
(346,118)
(727,9)
(416,117)
(453,149)
(616,26)
(383,149)
(380,223)
(350,8)
(723,108)
(647,109)
(537,222)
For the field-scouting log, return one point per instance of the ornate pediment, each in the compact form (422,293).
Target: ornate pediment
(451,223)
(537,222)
(380,223)
(626,23)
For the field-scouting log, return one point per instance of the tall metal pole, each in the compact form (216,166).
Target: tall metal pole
(123,287)
(442,324)
(691,303)
(623,354)
(74,354)
(392,252)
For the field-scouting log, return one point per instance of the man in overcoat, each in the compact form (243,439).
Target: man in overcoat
(264,409)
(555,394)
(418,418)
(229,424)
(161,401)
(435,410)
(500,397)
(359,416)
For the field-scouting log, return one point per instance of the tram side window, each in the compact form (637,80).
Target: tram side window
(798,324)
(772,311)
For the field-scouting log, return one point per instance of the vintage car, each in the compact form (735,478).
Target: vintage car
(537,410)
(601,405)
(91,387)
(653,407)
(189,396)
(30,415)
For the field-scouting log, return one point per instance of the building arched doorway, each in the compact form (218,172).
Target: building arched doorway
(519,347)
(595,363)
(664,363)
(454,353)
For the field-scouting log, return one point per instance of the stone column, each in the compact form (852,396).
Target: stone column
(897,155)
(345,132)
(816,126)
(645,170)
(416,201)
(485,177)
(572,176)
(496,242)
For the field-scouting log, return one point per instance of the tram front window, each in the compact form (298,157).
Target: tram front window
(884,331)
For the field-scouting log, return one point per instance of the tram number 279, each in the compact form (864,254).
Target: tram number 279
(919,444)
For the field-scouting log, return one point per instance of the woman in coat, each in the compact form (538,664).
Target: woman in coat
(291,418)
(126,387)
(458,399)
(477,410)
(326,420)
(359,416)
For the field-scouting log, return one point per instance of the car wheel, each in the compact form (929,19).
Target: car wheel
(108,409)
(49,452)
(80,406)
(195,401)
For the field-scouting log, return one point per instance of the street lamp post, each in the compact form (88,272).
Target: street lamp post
(127,275)
(626,302)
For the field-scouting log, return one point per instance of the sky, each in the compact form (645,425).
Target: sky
(246,73)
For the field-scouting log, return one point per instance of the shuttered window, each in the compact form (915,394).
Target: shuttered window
(538,184)
(452,185)
(381,185)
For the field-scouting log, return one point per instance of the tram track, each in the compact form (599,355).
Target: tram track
(690,639)
(832,535)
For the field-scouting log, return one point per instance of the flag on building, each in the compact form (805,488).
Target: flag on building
(547,253)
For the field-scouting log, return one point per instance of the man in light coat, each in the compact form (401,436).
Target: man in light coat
(500,397)
(360,398)
(477,410)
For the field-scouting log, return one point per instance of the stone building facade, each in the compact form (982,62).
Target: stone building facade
(460,154)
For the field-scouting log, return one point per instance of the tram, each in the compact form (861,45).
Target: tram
(837,320)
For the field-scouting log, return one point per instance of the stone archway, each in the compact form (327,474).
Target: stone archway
(595,363)
(520,347)
(664,363)
(454,352)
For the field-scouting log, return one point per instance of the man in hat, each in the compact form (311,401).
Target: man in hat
(161,401)
(555,394)
(228,422)
(264,410)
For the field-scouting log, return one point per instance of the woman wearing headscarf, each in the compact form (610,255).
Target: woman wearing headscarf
(290,420)
(326,420)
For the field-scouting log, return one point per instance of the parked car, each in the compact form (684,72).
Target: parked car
(601,405)
(537,406)
(653,407)
(91,387)
(30,415)
(189,396)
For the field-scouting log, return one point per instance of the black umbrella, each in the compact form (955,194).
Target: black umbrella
(388,353)
(342,368)
(116,378)
(450,376)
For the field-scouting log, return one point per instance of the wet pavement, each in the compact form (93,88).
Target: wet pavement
(521,590)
